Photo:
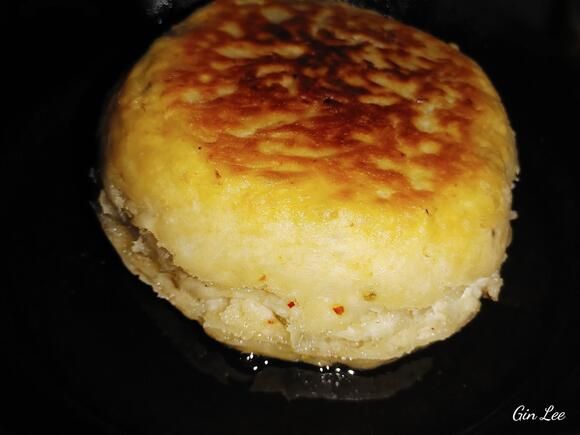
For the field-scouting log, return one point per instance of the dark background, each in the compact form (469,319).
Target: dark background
(82,348)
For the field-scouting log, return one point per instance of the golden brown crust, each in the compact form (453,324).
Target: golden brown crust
(286,90)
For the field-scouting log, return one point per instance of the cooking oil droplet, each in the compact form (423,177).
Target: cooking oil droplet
(253,363)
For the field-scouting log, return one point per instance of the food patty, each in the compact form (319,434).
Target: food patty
(310,180)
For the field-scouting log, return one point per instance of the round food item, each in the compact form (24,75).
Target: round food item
(310,180)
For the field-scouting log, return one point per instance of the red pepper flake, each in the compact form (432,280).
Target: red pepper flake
(291,304)
(270,321)
(338,309)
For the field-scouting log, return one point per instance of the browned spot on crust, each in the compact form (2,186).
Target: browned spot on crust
(369,296)
(328,89)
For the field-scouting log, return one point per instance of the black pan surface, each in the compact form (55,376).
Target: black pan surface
(87,348)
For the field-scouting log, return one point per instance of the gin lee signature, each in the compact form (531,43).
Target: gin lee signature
(521,413)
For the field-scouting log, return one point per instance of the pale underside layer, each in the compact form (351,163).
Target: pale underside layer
(260,321)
